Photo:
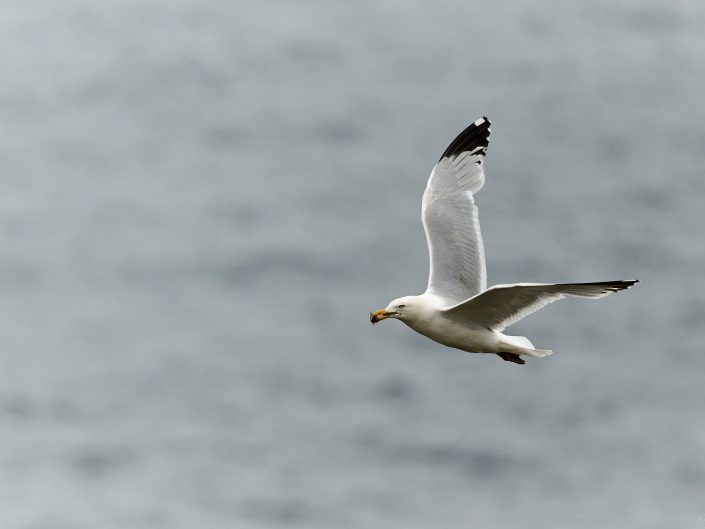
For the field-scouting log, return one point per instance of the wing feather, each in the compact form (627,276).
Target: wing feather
(450,217)
(503,305)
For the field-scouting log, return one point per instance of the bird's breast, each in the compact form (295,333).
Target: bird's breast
(455,334)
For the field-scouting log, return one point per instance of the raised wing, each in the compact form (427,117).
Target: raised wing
(450,217)
(502,305)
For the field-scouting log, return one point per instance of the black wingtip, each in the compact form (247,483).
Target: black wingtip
(628,282)
(475,136)
(616,286)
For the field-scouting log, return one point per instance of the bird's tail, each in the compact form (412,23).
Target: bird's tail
(523,346)
(537,353)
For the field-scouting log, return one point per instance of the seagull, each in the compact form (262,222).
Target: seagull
(457,309)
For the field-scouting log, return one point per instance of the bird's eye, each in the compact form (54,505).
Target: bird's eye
(401,306)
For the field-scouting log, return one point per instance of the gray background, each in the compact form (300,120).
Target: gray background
(202,201)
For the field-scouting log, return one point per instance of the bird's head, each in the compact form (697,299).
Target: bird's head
(402,309)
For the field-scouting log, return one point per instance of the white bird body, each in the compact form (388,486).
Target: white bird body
(426,315)
(457,309)
(466,336)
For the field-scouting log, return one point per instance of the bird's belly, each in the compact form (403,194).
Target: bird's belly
(453,334)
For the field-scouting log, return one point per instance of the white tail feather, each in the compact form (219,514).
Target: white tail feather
(522,345)
(519,341)
(537,353)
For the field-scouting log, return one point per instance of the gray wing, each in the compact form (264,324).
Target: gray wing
(450,217)
(502,305)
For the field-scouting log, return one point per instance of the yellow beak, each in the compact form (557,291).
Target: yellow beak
(380,315)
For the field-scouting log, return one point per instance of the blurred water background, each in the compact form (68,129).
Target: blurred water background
(201,202)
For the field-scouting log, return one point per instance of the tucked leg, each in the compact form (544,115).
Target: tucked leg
(511,357)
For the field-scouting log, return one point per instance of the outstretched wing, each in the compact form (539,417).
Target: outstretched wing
(450,217)
(502,305)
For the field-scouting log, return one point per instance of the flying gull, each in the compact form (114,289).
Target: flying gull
(457,309)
